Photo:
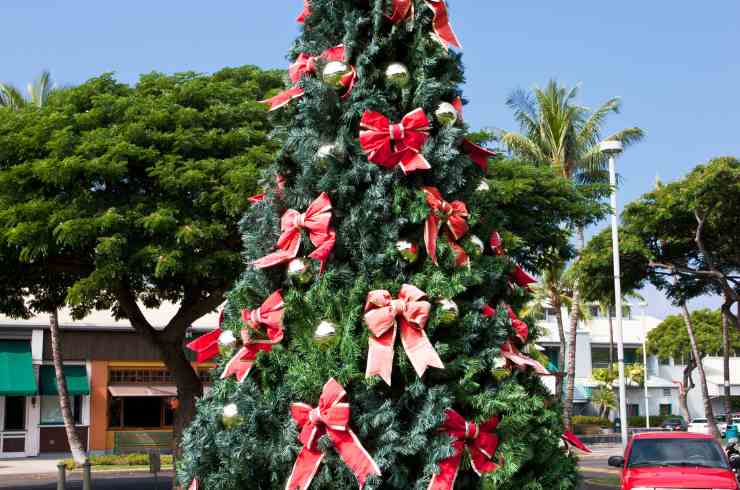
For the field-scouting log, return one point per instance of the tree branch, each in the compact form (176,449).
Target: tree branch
(127,302)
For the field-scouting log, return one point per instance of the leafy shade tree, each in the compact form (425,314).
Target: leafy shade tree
(670,340)
(682,237)
(327,289)
(556,131)
(38,93)
(120,197)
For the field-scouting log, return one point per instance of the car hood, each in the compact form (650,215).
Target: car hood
(680,477)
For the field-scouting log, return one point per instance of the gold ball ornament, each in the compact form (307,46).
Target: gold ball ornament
(300,271)
(408,251)
(397,75)
(446,114)
(230,416)
(448,311)
(334,72)
(500,368)
(325,332)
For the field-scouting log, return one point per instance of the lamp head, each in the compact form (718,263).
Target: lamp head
(611,147)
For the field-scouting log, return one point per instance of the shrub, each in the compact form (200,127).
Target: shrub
(592,420)
(655,420)
(134,459)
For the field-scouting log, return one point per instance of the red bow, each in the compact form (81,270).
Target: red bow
(330,417)
(481,442)
(306,64)
(402,9)
(516,358)
(381,313)
(441,212)
(316,220)
(521,328)
(389,144)
(571,439)
(267,320)
(476,153)
(521,277)
(206,346)
(305,13)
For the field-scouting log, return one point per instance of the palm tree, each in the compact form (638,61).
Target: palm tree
(556,131)
(605,399)
(38,93)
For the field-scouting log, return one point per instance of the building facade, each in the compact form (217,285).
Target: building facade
(122,396)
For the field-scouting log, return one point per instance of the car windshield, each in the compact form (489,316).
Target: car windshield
(676,452)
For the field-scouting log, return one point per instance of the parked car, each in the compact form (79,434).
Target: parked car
(721,424)
(674,423)
(674,460)
(698,426)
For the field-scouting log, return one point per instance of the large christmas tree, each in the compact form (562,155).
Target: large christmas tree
(373,336)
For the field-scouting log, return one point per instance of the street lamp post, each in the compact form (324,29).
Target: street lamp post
(613,148)
(643,305)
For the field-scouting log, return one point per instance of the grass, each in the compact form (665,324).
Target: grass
(121,462)
(607,481)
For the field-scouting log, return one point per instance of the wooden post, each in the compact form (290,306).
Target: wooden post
(86,477)
(62,476)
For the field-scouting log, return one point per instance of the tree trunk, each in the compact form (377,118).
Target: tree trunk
(572,341)
(683,392)
(561,356)
(726,353)
(708,412)
(611,341)
(75,445)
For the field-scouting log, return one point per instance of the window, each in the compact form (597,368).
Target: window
(149,376)
(595,311)
(141,412)
(633,410)
(666,392)
(550,314)
(15,413)
(600,357)
(631,357)
(51,411)
(664,362)
(666,409)
(553,354)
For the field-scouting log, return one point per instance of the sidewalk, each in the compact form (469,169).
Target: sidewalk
(39,466)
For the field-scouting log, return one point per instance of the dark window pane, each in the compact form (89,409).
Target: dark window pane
(15,413)
(169,414)
(77,409)
(144,412)
(115,412)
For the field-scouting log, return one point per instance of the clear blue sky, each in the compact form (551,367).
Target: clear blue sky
(675,64)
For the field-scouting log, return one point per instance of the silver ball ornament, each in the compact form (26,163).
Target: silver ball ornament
(226,342)
(397,75)
(230,416)
(299,270)
(448,311)
(446,114)
(483,186)
(325,332)
(324,155)
(408,251)
(477,246)
(334,72)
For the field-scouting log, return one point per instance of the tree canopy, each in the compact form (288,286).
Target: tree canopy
(671,340)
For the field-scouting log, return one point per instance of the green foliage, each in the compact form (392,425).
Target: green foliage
(592,420)
(112,187)
(655,420)
(671,340)
(135,459)
(373,208)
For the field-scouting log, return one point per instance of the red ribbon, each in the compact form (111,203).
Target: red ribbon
(521,328)
(403,9)
(521,277)
(389,144)
(280,187)
(193,484)
(441,212)
(573,440)
(516,358)
(266,320)
(316,221)
(206,346)
(304,65)
(305,13)
(478,154)
(480,441)
(330,417)
(381,315)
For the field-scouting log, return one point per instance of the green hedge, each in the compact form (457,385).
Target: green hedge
(655,420)
(135,459)
(592,420)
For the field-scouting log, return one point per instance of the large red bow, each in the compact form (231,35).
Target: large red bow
(521,328)
(306,64)
(316,221)
(521,277)
(516,358)
(206,346)
(330,417)
(571,439)
(403,9)
(267,321)
(381,315)
(481,442)
(478,154)
(305,12)
(389,144)
(441,212)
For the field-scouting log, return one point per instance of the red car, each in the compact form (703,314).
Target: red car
(674,460)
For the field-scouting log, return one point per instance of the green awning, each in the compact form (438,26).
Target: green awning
(16,368)
(76,377)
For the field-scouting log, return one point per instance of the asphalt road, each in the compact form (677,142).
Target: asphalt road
(100,482)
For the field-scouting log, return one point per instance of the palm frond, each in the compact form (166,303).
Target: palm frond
(628,136)
(39,90)
(11,97)
(590,133)
(523,146)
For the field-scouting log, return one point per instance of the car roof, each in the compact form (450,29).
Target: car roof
(671,435)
